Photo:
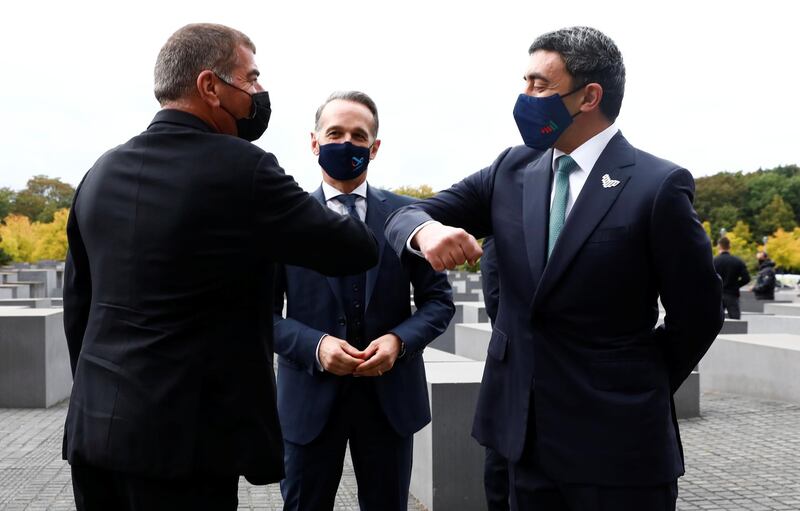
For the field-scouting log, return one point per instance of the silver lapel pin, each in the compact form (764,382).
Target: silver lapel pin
(608,182)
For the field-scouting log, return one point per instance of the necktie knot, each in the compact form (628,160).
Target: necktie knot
(565,164)
(349,201)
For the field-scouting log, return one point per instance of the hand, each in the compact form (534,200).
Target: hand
(380,356)
(339,357)
(446,247)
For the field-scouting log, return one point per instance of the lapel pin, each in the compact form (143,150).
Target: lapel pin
(608,182)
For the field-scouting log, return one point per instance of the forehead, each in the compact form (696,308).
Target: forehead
(546,64)
(343,112)
(247,59)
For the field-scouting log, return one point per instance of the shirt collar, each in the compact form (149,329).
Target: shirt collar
(587,154)
(331,192)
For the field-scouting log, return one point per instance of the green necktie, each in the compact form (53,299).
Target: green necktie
(558,212)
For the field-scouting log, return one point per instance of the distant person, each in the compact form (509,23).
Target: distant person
(589,232)
(173,240)
(734,275)
(350,368)
(764,288)
(495,471)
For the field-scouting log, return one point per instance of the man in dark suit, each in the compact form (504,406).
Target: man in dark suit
(350,364)
(734,275)
(168,290)
(577,390)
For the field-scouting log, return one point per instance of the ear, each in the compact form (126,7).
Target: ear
(207,88)
(374,150)
(314,144)
(593,93)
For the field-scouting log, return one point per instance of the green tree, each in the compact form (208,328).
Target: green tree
(724,217)
(42,197)
(7,196)
(743,246)
(419,192)
(777,214)
(723,189)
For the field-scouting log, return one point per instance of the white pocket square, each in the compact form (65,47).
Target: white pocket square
(608,182)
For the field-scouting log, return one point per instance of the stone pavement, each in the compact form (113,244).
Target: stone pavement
(742,454)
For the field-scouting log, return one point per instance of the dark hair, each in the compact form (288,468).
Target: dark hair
(356,97)
(190,51)
(724,243)
(590,56)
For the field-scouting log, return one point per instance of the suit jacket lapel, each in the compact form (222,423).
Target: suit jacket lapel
(333,282)
(536,212)
(377,211)
(592,205)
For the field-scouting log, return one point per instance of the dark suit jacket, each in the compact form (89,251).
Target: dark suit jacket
(168,298)
(732,271)
(305,394)
(490,282)
(578,331)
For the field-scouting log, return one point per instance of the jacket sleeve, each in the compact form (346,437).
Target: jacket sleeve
(294,226)
(690,289)
(77,289)
(466,204)
(294,340)
(434,300)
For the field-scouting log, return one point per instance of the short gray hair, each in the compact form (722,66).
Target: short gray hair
(590,56)
(190,51)
(356,97)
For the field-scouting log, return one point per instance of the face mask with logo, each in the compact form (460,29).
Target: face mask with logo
(541,120)
(344,161)
(255,124)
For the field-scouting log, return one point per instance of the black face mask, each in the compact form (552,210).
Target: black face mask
(255,124)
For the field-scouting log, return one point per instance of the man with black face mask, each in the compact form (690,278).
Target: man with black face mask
(589,232)
(173,241)
(350,366)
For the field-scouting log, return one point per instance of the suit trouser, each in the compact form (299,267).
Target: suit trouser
(495,481)
(381,458)
(731,304)
(104,490)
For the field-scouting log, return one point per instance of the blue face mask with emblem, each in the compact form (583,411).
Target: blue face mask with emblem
(344,162)
(541,120)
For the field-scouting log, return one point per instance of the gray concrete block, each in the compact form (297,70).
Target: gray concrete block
(17,290)
(769,324)
(6,293)
(35,303)
(8,277)
(448,463)
(34,361)
(734,326)
(47,276)
(472,340)
(783,309)
(758,365)
(687,397)
(748,302)
(36,289)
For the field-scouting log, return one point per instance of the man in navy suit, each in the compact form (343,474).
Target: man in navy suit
(350,365)
(589,233)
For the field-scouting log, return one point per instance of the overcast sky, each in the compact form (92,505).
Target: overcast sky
(711,85)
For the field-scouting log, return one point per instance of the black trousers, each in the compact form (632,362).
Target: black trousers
(104,490)
(731,304)
(381,458)
(495,481)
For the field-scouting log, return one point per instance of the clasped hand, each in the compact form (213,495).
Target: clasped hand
(337,356)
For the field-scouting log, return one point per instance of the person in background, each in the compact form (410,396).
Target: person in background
(350,368)
(734,275)
(764,288)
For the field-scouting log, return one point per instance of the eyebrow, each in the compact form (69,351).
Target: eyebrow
(254,73)
(535,76)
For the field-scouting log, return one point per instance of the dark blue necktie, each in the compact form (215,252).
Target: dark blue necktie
(349,201)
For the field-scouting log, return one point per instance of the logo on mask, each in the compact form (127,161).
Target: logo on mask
(551,127)
(357,162)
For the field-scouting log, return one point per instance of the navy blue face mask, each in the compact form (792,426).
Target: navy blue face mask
(344,161)
(542,120)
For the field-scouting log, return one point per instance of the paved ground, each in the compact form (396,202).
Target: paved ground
(743,454)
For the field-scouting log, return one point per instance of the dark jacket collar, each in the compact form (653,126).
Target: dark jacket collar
(172,116)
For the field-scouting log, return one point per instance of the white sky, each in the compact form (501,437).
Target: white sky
(711,84)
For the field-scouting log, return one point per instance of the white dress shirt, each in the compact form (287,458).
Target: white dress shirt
(330,194)
(586,155)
